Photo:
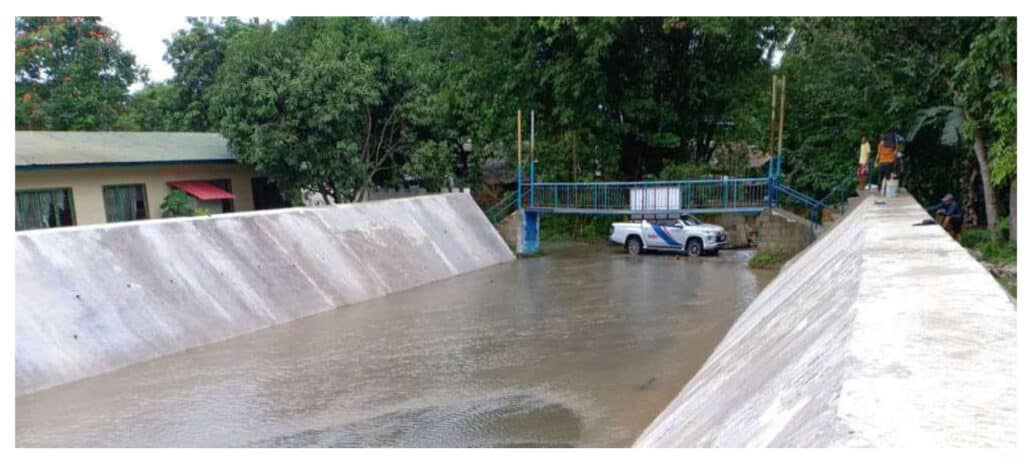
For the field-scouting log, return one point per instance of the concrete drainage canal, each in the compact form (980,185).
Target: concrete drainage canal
(582,347)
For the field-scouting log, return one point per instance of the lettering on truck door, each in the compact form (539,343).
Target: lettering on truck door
(661,236)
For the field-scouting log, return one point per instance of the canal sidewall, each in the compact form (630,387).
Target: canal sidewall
(92,299)
(884,332)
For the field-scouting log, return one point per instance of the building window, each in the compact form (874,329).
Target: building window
(227,205)
(266,195)
(125,202)
(43,209)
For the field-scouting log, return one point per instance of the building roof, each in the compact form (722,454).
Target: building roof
(38,149)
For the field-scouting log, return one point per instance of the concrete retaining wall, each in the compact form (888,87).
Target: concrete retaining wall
(93,299)
(740,229)
(511,229)
(880,334)
(782,232)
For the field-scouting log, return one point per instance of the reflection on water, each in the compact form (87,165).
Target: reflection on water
(511,421)
(582,347)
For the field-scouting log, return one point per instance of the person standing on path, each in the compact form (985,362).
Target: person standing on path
(886,158)
(862,163)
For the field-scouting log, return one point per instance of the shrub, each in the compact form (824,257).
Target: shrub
(176,204)
(992,248)
(685,170)
(768,260)
(576,228)
(998,251)
(973,237)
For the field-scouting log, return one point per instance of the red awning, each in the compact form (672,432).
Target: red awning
(202,190)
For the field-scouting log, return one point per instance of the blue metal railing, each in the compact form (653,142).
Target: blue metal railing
(814,206)
(836,198)
(649,197)
(661,198)
(501,209)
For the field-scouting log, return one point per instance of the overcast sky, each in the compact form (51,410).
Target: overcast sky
(145,39)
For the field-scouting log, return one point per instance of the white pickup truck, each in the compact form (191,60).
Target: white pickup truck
(687,233)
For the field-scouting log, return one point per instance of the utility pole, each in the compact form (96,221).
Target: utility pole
(771,123)
(775,137)
(533,156)
(782,116)
(519,159)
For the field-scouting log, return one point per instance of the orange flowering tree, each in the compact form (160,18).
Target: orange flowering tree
(70,74)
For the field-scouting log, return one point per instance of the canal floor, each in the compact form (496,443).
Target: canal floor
(581,347)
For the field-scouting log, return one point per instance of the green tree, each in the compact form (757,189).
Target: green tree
(152,108)
(432,164)
(985,90)
(320,104)
(849,77)
(615,97)
(70,74)
(195,54)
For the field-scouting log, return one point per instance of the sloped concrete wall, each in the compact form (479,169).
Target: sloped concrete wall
(880,334)
(93,299)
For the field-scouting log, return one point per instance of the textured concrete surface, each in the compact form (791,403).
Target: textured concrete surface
(740,229)
(881,334)
(93,299)
(510,229)
(782,232)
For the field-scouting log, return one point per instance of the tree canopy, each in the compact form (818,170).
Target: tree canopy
(334,105)
(70,74)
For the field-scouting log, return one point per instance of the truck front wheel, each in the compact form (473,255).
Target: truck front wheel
(634,246)
(694,247)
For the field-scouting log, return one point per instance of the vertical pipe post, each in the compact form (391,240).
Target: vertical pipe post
(771,147)
(519,159)
(771,123)
(782,118)
(533,158)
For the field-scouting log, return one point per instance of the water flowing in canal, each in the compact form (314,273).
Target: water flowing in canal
(581,347)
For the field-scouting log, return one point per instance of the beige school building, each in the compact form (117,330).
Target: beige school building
(79,178)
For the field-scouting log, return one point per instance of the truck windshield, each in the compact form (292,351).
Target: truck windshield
(689,220)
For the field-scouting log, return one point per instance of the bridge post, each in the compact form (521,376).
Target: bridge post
(519,187)
(532,177)
(529,233)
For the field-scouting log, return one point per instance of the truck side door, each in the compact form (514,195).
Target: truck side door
(679,233)
(660,235)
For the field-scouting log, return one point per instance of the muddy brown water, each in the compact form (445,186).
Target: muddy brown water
(581,347)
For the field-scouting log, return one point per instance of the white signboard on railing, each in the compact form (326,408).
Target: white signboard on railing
(654,199)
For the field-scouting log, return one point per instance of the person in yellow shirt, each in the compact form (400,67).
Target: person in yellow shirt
(862,163)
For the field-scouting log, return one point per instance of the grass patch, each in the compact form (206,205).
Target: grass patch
(993,248)
(769,260)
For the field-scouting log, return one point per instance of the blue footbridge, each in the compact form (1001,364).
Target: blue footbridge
(654,199)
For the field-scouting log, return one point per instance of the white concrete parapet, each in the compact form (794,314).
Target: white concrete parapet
(881,334)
